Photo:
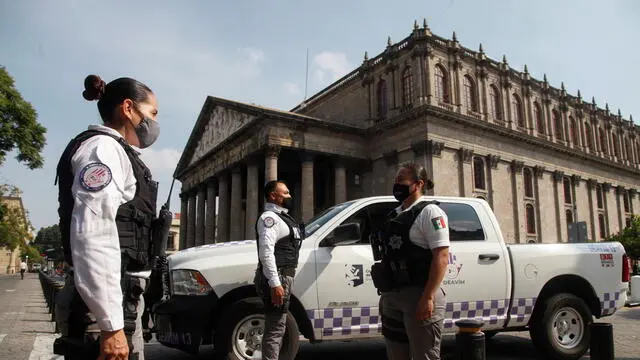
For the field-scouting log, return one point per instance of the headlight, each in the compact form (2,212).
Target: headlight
(189,282)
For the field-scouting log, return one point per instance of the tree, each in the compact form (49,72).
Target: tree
(15,228)
(19,126)
(629,237)
(49,241)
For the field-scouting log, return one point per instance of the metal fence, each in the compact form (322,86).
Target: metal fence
(51,285)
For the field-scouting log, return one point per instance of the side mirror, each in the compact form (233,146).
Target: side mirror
(344,234)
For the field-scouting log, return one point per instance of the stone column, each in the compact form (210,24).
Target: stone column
(202,193)
(340,182)
(591,184)
(210,223)
(517,190)
(223,208)
(308,203)
(620,206)
(191,225)
(465,171)
(557,185)
(271,163)
(538,172)
(184,218)
(236,222)
(252,199)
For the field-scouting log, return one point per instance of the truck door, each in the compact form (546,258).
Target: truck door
(348,301)
(477,281)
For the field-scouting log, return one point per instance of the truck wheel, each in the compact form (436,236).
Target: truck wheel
(239,334)
(561,329)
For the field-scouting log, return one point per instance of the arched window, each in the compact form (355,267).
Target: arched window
(407,86)
(569,216)
(627,144)
(478,174)
(382,98)
(588,135)
(495,104)
(516,111)
(602,225)
(616,145)
(531,219)
(599,197)
(528,182)
(573,130)
(638,152)
(470,94)
(537,115)
(603,141)
(442,84)
(566,184)
(557,123)
(625,200)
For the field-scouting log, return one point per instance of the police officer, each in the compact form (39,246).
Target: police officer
(414,250)
(279,240)
(107,202)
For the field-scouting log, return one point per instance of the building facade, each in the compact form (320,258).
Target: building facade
(10,259)
(541,157)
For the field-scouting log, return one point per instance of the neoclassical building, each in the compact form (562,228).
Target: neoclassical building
(540,156)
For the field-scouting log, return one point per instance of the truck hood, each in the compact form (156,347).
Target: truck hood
(211,255)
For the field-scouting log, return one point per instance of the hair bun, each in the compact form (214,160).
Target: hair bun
(93,87)
(428,184)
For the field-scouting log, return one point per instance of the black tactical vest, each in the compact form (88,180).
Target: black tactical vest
(408,263)
(133,218)
(286,250)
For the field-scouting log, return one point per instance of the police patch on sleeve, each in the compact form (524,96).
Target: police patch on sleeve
(95,176)
(268,221)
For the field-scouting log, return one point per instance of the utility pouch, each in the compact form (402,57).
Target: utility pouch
(381,276)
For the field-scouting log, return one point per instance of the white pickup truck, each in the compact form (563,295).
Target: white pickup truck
(552,290)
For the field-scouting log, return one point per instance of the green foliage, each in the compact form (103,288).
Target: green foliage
(49,241)
(19,126)
(629,237)
(15,228)
(32,252)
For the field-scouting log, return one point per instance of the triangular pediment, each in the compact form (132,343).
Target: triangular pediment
(218,120)
(221,123)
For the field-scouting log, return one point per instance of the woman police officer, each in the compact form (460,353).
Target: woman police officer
(107,202)
(414,249)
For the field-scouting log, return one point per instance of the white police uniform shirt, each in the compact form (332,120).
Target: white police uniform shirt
(271,228)
(430,229)
(103,180)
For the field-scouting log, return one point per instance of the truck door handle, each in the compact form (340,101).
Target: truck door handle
(488,256)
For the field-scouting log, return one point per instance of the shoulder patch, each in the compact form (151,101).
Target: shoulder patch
(95,176)
(438,223)
(268,221)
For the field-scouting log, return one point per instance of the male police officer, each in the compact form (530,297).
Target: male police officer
(279,240)
(414,253)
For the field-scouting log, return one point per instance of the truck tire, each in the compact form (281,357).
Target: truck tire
(239,333)
(561,329)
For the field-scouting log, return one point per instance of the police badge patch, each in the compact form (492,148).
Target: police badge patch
(95,176)
(268,222)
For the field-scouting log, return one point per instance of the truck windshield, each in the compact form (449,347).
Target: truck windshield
(316,222)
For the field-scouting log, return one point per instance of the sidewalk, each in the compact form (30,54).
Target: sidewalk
(26,330)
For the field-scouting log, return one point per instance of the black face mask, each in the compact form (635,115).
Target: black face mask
(401,192)
(287,203)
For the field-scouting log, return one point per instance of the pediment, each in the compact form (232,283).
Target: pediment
(221,123)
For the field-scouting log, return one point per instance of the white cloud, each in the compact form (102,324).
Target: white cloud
(332,65)
(255,55)
(292,88)
(162,163)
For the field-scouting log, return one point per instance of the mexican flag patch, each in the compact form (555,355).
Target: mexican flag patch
(438,223)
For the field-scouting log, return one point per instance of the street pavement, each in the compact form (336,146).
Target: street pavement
(26,333)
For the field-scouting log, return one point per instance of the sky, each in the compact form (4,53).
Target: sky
(256,52)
